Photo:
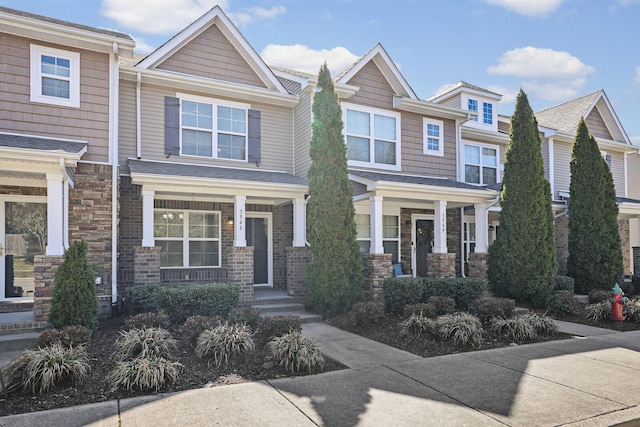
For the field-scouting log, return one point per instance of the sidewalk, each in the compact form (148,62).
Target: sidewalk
(589,381)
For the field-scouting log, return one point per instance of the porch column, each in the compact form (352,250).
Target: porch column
(482,228)
(440,227)
(376,225)
(239,229)
(55,214)
(299,223)
(65,208)
(147,218)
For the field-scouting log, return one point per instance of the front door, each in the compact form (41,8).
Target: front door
(259,236)
(422,245)
(23,235)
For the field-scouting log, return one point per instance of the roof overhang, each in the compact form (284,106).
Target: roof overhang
(484,136)
(603,144)
(429,108)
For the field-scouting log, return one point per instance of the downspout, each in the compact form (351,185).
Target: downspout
(138,130)
(113,130)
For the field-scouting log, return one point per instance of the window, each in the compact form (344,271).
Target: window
(480,164)
(210,129)
(469,238)
(472,105)
(487,113)
(433,137)
(372,137)
(607,158)
(187,238)
(55,76)
(390,234)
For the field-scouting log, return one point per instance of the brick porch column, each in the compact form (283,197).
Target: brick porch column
(441,265)
(240,271)
(478,263)
(44,271)
(298,258)
(146,265)
(377,267)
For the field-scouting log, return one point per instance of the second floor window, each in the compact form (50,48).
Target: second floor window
(433,137)
(55,76)
(487,113)
(472,105)
(372,137)
(209,129)
(480,164)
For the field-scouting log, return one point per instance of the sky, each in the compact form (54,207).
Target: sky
(555,50)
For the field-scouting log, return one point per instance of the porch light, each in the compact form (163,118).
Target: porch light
(230,220)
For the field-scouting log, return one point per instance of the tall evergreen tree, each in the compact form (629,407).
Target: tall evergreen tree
(334,275)
(522,260)
(595,254)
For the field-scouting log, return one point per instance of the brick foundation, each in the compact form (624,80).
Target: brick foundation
(377,267)
(478,265)
(441,265)
(298,259)
(146,265)
(240,271)
(44,271)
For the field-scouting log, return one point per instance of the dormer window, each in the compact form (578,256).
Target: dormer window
(487,113)
(472,105)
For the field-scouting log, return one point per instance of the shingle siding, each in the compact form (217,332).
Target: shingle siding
(302,117)
(596,125)
(414,161)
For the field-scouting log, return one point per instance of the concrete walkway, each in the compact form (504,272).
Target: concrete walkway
(590,381)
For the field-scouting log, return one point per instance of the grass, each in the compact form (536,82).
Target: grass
(296,353)
(225,341)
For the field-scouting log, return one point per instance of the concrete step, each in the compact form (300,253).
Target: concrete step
(18,342)
(304,316)
(289,306)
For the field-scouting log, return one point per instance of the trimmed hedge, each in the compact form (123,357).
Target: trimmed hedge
(399,292)
(563,283)
(462,289)
(140,299)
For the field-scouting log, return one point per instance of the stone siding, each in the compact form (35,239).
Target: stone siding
(377,267)
(562,243)
(441,265)
(478,265)
(240,271)
(298,259)
(623,229)
(44,272)
(147,265)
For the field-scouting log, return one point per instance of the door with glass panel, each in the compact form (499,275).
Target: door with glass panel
(422,234)
(258,235)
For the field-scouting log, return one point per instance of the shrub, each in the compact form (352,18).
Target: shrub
(144,374)
(296,352)
(140,299)
(247,315)
(631,310)
(147,320)
(368,312)
(74,300)
(425,309)
(46,367)
(486,308)
(418,325)
(399,292)
(182,301)
(562,304)
(463,328)
(598,295)
(442,304)
(563,283)
(598,311)
(518,330)
(152,343)
(224,341)
(196,325)
(276,326)
(67,336)
(462,289)
(543,324)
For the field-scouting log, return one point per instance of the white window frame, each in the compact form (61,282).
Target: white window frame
(475,119)
(467,238)
(373,111)
(365,211)
(425,125)
(185,239)
(484,119)
(481,146)
(215,103)
(608,159)
(36,94)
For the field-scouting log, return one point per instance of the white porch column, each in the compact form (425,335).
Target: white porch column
(65,209)
(55,214)
(440,227)
(147,218)
(376,225)
(239,219)
(299,222)
(482,227)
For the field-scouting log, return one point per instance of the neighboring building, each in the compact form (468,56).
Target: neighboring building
(212,152)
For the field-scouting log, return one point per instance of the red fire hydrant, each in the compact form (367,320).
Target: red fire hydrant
(617,300)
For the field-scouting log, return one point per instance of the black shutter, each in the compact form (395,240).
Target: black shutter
(171,126)
(254,137)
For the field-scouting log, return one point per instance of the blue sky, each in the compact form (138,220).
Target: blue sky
(555,50)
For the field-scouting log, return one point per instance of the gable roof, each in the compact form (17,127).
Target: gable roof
(215,16)
(565,117)
(386,66)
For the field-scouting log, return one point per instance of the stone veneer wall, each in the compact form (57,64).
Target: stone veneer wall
(146,265)
(377,267)
(130,227)
(623,229)
(478,263)
(441,265)
(636,259)
(240,271)
(562,243)
(298,259)
(44,272)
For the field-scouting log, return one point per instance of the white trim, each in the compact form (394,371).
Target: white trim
(299,222)
(148,238)
(269,217)
(239,222)
(626,180)
(499,165)
(425,137)
(37,52)
(479,122)
(552,168)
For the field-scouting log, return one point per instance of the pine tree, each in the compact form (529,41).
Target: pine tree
(334,275)
(74,300)
(522,260)
(595,253)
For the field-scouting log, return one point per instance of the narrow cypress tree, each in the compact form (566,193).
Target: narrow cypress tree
(595,254)
(334,275)
(522,260)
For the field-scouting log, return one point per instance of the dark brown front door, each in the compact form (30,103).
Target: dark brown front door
(257,236)
(424,242)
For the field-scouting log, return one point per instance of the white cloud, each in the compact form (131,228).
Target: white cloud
(303,58)
(555,91)
(635,140)
(534,62)
(508,95)
(142,46)
(247,16)
(636,79)
(527,7)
